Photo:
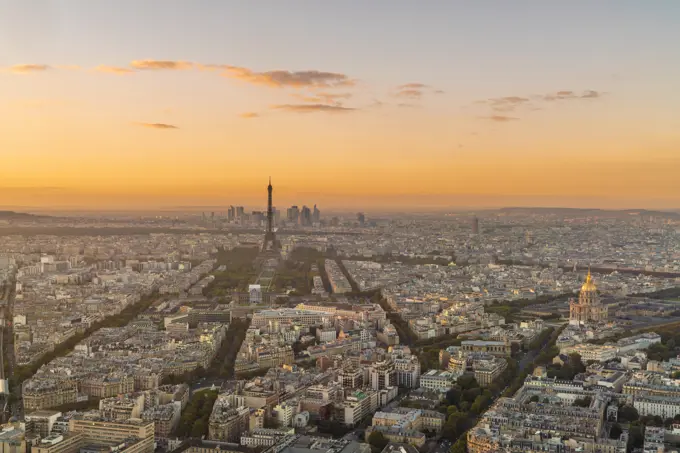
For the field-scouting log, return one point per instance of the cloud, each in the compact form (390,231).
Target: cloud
(571,95)
(161,65)
(310,108)
(114,70)
(560,95)
(409,93)
(323,98)
(500,118)
(414,90)
(158,125)
(249,115)
(282,78)
(412,86)
(590,94)
(28,68)
(507,103)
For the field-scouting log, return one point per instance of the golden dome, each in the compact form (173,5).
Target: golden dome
(589,285)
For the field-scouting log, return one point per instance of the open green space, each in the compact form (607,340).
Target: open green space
(195,418)
(239,271)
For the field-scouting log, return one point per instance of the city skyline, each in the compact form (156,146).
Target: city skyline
(408,106)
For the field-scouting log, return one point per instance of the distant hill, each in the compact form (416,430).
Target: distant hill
(12,215)
(591,212)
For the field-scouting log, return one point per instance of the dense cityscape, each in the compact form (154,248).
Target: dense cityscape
(512,330)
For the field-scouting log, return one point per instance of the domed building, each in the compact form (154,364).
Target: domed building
(588,309)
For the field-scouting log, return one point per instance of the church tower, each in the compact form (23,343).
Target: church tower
(588,308)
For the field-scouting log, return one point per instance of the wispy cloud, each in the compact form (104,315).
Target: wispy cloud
(590,94)
(499,118)
(571,95)
(158,125)
(28,68)
(114,70)
(282,78)
(157,65)
(323,98)
(249,115)
(410,93)
(415,90)
(412,86)
(507,103)
(311,108)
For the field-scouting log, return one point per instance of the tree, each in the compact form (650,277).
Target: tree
(199,429)
(615,431)
(450,429)
(628,414)
(636,436)
(377,440)
(534,399)
(460,446)
(467,381)
(583,402)
(453,395)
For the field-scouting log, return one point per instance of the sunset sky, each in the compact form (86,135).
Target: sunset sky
(354,103)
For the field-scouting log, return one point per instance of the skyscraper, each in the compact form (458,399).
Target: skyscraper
(361,218)
(305,216)
(316,215)
(293,214)
(475,225)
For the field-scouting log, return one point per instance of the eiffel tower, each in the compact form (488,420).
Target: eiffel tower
(270,242)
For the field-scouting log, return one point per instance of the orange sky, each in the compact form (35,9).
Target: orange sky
(113,127)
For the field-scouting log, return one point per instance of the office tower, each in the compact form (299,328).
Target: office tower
(305,216)
(240,212)
(475,225)
(293,214)
(361,218)
(316,215)
(231,214)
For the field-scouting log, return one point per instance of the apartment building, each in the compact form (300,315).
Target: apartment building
(497,348)
(382,375)
(46,394)
(101,431)
(438,381)
(165,418)
(60,443)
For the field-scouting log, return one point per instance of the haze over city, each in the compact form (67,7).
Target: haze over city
(353,104)
(355,226)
